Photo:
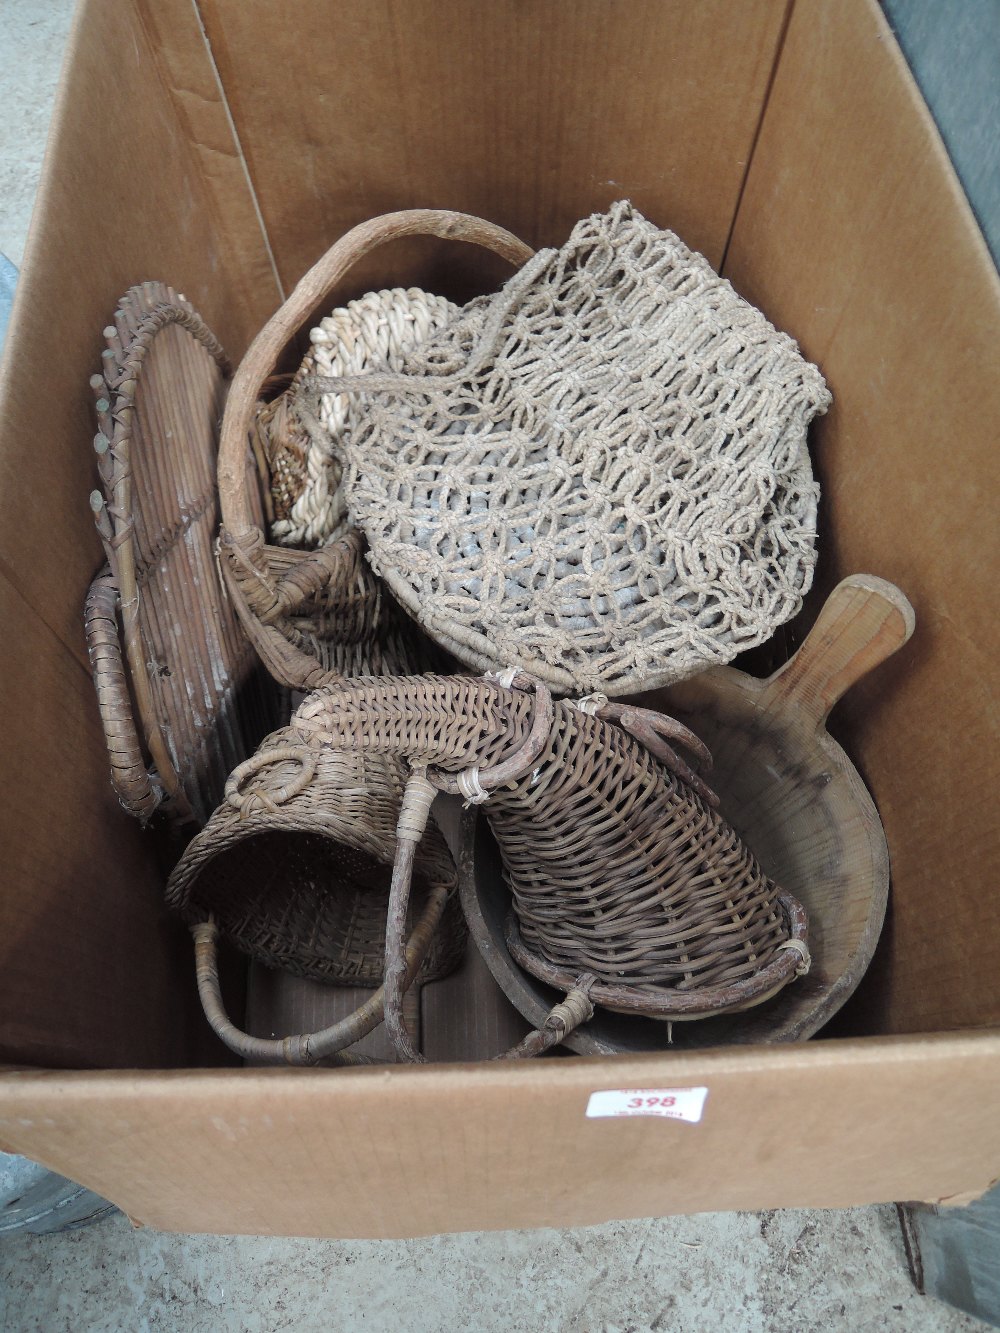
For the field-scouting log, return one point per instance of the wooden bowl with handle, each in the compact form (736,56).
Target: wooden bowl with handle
(791,793)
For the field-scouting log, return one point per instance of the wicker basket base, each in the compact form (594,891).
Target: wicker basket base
(658,1002)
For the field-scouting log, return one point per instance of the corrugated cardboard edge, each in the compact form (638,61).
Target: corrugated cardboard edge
(854,235)
(415,1151)
(187,65)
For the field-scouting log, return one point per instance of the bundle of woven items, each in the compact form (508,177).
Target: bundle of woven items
(590,483)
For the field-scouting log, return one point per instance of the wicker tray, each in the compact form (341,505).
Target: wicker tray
(202,702)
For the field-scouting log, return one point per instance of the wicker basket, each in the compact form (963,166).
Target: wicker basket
(290,601)
(202,702)
(304,499)
(790,791)
(293,868)
(629,889)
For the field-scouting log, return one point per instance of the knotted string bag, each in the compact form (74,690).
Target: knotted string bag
(599,474)
(629,889)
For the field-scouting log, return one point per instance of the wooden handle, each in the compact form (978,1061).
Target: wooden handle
(864,621)
(313,288)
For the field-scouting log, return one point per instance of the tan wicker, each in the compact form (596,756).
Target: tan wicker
(290,600)
(600,474)
(629,889)
(293,868)
(376,331)
(201,699)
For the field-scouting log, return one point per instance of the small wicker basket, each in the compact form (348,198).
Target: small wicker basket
(293,869)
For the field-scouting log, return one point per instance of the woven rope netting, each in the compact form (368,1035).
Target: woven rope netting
(599,475)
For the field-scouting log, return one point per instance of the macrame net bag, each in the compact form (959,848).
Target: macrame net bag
(599,474)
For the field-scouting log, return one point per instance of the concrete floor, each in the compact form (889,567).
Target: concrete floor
(721,1271)
(766,1271)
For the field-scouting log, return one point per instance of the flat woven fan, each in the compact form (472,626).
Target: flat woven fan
(311,612)
(202,702)
(599,474)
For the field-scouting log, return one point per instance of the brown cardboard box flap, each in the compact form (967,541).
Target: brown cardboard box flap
(853,233)
(407,1152)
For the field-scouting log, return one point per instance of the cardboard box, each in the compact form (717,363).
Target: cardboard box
(222,146)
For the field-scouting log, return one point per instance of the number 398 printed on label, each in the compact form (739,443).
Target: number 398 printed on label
(674,1103)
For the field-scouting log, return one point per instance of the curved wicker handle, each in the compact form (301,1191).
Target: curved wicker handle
(308,1048)
(573,1010)
(136,789)
(312,289)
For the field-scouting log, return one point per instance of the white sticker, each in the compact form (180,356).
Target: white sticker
(674,1103)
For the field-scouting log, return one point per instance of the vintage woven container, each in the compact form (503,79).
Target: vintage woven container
(629,890)
(182,696)
(293,869)
(305,502)
(314,615)
(290,600)
(599,474)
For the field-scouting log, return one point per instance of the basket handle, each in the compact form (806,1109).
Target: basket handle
(574,1009)
(308,1048)
(311,290)
(863,622)
(137,789)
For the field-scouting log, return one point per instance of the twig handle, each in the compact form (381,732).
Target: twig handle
(864,621)
(307,1048)
(313,289)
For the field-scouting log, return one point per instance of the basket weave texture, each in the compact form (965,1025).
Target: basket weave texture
(619,864)
(294,865)
(599,475)
(290,600)
(376,331)
(327,613)
(186,700)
